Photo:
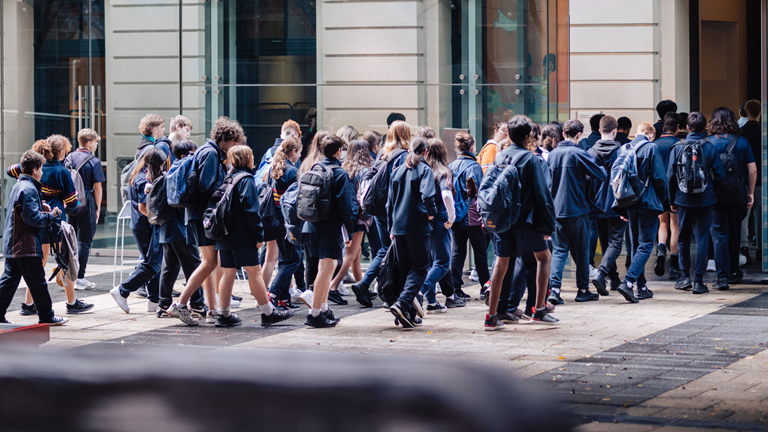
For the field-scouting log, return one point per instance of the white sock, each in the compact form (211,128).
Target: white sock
(67,303)
(225,311)
(452,297)
(433,304)
(324,307)
(315,312)
(630,284)
(266,308)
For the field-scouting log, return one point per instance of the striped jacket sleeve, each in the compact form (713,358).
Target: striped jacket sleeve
(14,170)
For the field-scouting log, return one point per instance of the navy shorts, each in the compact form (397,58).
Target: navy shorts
(324,246)
(530,242)
(239,258)
(504,244)
(515,243)
(196,234)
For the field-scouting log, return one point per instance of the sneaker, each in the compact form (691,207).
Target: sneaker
(484,290)
(736,277)
(120,300)
(294,293)
(348,279)
(742,260)
(661,259)
(373,295)
(550,307)
(141,292)
(417,321)
(362,295)
(436,308)
(683,284)
(199,312)
(175,293)
(542,317)
(527,315)
(320,321)
(183,313)
(492,323)
(287,305)
(236,298)
(231,321)
(307,297)
(507,318)
(473,276)
(212,317)
(343,290)
(674,273)
(628,293)
(162,312)
(459,293)
(593,272)
(55,321)
(28,310)
(385,305)
(615,284)
(335,297)
(79,307)
(599,283)
(744,251)
(276,316)
(521,315)
(711,266)
(721,284)
(402,316)
(586,296)
(554,298)
(418,309)
(84,284)
(331,316)
(456,302)
(151,306)
(643,293)
(4,321)
(700,288)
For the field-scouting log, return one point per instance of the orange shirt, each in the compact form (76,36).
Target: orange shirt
(487,155)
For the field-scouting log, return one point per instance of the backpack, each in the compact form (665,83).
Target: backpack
(461,206)
(269,212)
(291,219)
(389,277)
(732,187)
(264,167)
(125,175)
(217,218)
(314,200)
(691,168)
(499,196)
(158,210)
(627,187)
(374,187)
(181,182)
(77,180)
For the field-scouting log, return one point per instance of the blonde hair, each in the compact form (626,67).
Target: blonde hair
(348,134)
(240,156)
(398,137)
(87,135)
(149,122)
(288,146)
(59,143)
(179,122)
(646,128)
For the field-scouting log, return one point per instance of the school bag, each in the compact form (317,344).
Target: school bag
(181,182)
(389,277)
(499,196)
(732,187)
(293,224)
(314,201)
(269,212)
(691,168)
(460,204)
(77,180)
(125,175)
(374,187)
(627,187)
(158,210)
(218,218)
(264,167)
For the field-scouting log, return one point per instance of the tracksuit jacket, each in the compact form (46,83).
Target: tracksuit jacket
(411,200)
(25,220)
(571,168)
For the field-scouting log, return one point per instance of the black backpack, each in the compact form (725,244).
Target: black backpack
(314,202)
(158,210)
(627,187)
(499,196)
(374,187)
(270,214)
(691,168)
(217,218)
(293,225)
(389,279)
(732,187)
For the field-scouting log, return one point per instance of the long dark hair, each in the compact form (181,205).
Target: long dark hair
(723,122)
(437,159)
(417,147)
(358,157)
(154,161)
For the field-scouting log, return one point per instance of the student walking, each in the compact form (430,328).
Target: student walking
(692,190)
(669,229)
(491,148)
(753,132)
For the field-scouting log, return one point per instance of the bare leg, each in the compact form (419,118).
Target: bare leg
(349,257)
(256,284)
(675,230)
(270,260)
(323,281)
(543,262)
(497,278)
(204,274)
(226,283)
(664,228)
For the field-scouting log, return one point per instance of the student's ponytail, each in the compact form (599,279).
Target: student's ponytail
(418,146)
(283,152)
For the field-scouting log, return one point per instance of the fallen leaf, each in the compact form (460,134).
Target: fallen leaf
(429,332)
(561,357)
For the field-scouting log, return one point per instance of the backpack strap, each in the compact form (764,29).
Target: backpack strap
(732,145)
(82,164)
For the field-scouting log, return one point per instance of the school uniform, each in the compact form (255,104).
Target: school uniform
(84,222)
(665,143)
(148,239)
(238,248)
(209,164)
(694,211)
(587,143)
(467,228)
(177,256)
(570,168)
(22,247)
(410,202)
(622,138)
(439,243)
(270,153)
(753,132)
(325,238)
(289,255)
(729,211)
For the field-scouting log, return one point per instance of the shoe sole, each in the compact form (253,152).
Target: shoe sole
(586,300)
(701,292)
(599,288)
(56,324)
(437,311)
(419,308)
(193,323)
(489,328)
(27,313)
(363,299)
(405,322)
(722,288)
(218,324)
(660,261)
(685,288)
(115,295)
(75,312)
(628,297)
(303,300)
(290,315)
(540,322)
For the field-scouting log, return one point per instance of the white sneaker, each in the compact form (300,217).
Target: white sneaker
(473,276)
(343,290)
(742,260)
(84,284)
(151,306)
(711,267)
(295,293)
(120,300)
(232,302)
(593,273)
(307,297)
(212,317)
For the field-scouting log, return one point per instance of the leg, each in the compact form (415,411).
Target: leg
(592,239)
(580,232)
(735,216)
(168,275)
(350,253)
(460,237)
(480,249)
(701,223)
(226,283)
(85,227)
(34,275)
(560,243)
(298,275)
(720,234)
(9,283)
(440,247)
(543,264)
(685,218)
(323,283)
(270,258)
(663,232)
(510,296)
(375,266)
(674,230)
(189,257)
(288,258)
(418,257)
(203,273)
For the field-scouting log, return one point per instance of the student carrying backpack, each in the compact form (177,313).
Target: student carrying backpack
(77,180)
(691,167)
(217,220)
(627,187)
(499,196)
(181,182)
(375,185)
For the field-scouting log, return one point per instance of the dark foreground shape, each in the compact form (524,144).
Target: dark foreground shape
(89,390)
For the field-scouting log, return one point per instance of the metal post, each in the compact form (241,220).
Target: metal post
(100,117)
(79,108)
(90,63)
(91,101)
(181,65)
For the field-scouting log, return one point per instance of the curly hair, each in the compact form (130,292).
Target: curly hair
(149,122)
(288,146)
(58,144)
(723,122)
(43,147)
(358,157)
(464,142)
(30,161)
(225,130)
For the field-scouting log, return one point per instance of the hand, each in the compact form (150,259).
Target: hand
(259,245)
(750,200)
(448,225)
(547,238)
(98,212)
(391,237)
(348,243)
(673,208)
(46,207)
(430,217)
(56,212)
(624,219)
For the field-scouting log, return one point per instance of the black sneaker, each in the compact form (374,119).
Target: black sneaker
(721,284)
(745,251)
(459,293)
(700,288)
(362,295)
(275,317)
(455,302)
(683,284)
(141,292)
(287,305)
(237,298)
(484,290)
(78,307)
(554,298)
(507,318)
(674,273)
(200,311)
(643,293)
(402,315)
(436,308)
(599,284)
(373,295)
(661,259)
(628,293)
(4,321)
(542,317)
(329,313)
(492,323)
(28,310)
(587,296)
(175,293)
(320,321)
(162,312)
(231,321)
(55,321)
(335,297)
(736,277)
(615,284)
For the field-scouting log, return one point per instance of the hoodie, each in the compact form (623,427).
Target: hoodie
(605,152)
